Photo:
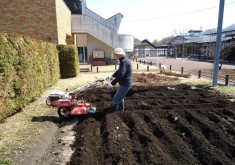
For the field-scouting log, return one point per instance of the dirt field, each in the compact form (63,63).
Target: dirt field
(163,123)
(160,125)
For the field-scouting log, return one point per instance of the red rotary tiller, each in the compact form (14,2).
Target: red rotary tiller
(73,108)
(67,103)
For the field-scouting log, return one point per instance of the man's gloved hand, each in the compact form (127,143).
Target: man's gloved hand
(109,85)
(110,78)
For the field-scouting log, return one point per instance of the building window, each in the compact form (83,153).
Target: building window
(75,6)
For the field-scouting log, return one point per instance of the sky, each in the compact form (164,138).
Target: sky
(156,19)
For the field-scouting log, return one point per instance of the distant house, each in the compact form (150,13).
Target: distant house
(146,48)
(194,44)
(197,44)
(66,22)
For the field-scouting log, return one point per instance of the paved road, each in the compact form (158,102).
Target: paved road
(189,66)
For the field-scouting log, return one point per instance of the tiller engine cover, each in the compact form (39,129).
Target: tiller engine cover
(62,103)
(79,111)
(83,108)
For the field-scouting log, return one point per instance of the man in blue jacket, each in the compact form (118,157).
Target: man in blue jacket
(123,76)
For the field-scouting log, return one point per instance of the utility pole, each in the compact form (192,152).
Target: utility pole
(183,48)
(182,35)
(218,43)
(84,55)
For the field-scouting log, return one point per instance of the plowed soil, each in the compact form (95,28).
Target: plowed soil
(161,124)
(164,122)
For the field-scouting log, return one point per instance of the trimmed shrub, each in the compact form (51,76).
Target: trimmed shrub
(68,57)
(27,68)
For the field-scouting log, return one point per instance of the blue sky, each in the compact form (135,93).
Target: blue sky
(155,19)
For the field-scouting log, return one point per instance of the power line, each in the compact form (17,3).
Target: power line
(179,14)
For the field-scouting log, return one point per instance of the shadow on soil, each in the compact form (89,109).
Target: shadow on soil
(53,119)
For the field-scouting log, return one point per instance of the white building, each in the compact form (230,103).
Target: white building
(95,36)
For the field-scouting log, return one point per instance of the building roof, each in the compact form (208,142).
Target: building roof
(227,33)
(149,43)
(145,43)
(230,28)
(197,31)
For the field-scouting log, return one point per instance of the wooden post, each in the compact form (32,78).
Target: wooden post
(170,67)
(97,68)
(91,68)
(199,73)
(137,66)
(226,80)
(147,68)
(160,65)
(182,70)
(115,67)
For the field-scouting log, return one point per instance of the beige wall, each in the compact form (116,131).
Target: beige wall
(95,44)
(63,16)
(35,18)
(81,40)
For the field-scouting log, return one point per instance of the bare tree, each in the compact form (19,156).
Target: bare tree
(227,46)
(175,45)
(208,48)
(137,41)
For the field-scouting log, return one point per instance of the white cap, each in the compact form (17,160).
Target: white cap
(119,51)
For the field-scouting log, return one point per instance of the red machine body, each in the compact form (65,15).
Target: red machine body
(81,108)
(67,102)
(62,103)
(68,107)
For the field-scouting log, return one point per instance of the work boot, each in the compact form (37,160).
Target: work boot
(121,106)
(113,108)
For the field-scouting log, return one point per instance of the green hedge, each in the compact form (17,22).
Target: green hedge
(68,57)
(27,68)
